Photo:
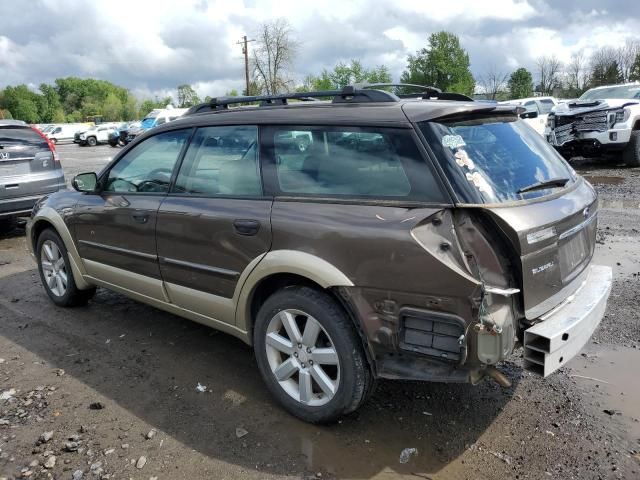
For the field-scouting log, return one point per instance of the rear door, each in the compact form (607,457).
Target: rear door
(28,166)
(216,221)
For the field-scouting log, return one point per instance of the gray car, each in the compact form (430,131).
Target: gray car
(29,169)
(421,237)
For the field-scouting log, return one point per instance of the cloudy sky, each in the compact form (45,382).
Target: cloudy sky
(152,46)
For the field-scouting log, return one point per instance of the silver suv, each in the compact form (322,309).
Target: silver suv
(29,168)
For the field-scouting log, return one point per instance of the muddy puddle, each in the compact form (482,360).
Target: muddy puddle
(622,254)
(609,378)
(603,180)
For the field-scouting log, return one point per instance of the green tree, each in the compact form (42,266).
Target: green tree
(634,75)
(520,83)
(49,103)
(187,96)
(606,74)
(22,103)
(5,114)
(130,108)
(443,64)
(112,108)
(346,74)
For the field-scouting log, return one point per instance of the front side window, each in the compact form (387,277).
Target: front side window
(221,161)
(148,166)
(352,162)
(496,159)
(531,106)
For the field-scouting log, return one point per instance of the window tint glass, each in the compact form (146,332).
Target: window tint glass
(352,162)
(546,105)
(531,106)
(21,135)
(148,166)
(493,159)
(221,161)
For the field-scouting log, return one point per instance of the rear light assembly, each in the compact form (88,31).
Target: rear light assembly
(51,145)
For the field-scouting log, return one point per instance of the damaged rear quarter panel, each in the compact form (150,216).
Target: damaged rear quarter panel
(376,247)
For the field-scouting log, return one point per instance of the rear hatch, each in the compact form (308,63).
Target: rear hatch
(497,163)
(555,241)
(27,163)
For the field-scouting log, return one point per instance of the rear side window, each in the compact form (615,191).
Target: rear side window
(351,162)
(531,106)
(21,135)
(221,161)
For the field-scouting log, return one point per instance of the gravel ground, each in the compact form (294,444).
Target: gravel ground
(105,380)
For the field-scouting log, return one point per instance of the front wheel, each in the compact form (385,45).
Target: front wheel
(91,141)
(631,153)
(55,272)
(310,355)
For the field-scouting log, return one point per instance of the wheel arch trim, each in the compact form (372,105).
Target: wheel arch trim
(275,262)
(51,217)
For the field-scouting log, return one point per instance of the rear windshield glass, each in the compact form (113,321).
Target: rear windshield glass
(21,135)
(629,91)
(492,159)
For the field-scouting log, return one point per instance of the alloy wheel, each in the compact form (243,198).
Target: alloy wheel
(302,357)
(54,268)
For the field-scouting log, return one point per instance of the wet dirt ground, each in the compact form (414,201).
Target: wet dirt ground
(116,384)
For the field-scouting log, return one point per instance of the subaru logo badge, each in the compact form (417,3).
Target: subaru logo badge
(585,212)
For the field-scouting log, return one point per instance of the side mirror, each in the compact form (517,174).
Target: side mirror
(529,114)
(85,182)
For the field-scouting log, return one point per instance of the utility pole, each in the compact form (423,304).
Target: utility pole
(245,51)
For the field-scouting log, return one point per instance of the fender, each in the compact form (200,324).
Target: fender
(53,218)
(283,261)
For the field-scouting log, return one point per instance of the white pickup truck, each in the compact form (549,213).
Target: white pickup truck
(603,120)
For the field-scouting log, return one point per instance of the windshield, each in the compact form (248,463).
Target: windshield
(148,123)
(628,91)
(490,159)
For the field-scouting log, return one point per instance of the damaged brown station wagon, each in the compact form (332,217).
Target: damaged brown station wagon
(371,235)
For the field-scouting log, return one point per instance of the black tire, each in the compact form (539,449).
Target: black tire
(72,296)
(355,381)
(113,144)
(631,153)
(92,141)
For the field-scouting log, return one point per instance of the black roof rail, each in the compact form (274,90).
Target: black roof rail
(427,91)
(348,94)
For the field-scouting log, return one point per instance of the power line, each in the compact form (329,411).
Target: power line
(245,51)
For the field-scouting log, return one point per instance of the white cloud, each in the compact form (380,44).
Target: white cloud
(151,46)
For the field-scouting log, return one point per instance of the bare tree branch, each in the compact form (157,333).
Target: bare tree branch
(274,54)
(493,82)
(549,72)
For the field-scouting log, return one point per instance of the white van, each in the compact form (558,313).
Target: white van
(159,116)
(64,132)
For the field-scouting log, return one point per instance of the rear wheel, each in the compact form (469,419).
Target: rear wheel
(55,272)
(631,153)
(310,355)
(92,142)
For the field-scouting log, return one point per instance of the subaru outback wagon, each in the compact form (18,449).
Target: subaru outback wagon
(419,237)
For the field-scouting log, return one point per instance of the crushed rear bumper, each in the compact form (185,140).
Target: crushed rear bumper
(562,332)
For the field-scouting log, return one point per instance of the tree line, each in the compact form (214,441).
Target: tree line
(443,63)
(73,99)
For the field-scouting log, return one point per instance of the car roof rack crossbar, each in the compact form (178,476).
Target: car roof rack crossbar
(346,94)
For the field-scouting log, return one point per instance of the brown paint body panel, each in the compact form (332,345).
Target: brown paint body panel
(198,246)
(118,230)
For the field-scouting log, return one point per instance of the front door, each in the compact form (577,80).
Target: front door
(215,222)
(115,229)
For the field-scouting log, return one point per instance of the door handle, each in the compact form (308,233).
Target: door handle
(140,217)
(246,227)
